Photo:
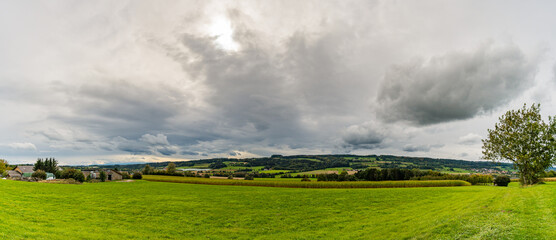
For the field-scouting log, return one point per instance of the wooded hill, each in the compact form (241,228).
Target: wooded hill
(316,162)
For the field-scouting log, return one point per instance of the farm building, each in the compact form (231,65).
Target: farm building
(111,175)
(24,169)
(14,174)
(93,174)
(50,176)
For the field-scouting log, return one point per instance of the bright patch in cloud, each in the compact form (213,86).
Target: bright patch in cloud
(222,29)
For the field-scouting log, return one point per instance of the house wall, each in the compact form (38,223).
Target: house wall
(115,176)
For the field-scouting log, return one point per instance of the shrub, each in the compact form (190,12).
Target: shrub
(230,176)
(249,177)
(137,175)
(40,174)
(502,180)
(305,179)
(73,173)
(58,174)
(125,175)
(206,175)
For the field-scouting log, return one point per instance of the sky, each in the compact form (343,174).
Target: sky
(93,82)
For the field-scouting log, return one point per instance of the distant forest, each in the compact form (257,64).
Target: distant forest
(316,162)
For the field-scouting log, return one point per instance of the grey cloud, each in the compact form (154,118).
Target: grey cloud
(470,139)
(133,147)
(23,146)
(367,136)
(117,106)
(189,153)
(159,139)
(167,151)
(420,148)
(455,86)
(147,144)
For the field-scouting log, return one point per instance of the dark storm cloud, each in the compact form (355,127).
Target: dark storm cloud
(117,106)
(146,144)
(266,95)
(365,136)
(454,86)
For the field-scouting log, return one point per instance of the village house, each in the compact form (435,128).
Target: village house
(111,175)
(14,174)
(24,170)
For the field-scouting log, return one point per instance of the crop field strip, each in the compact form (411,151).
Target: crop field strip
(312,184)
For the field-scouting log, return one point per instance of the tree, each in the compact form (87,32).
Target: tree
(523,138)
(102,176)
(502,180)
(3,166)
(171,168)
(39,165)
(40,174)
(73,173)
(147,170)
(50,165)
(137,175)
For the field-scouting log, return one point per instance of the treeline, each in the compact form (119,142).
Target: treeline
(316,162)
(396,174)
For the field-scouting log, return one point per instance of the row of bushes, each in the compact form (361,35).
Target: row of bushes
(308,184)
(395,174)
(245,174)
(474,179)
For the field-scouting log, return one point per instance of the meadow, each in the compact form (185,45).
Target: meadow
(160,210)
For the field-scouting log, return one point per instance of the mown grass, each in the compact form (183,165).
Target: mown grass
(312,184)
(158,210)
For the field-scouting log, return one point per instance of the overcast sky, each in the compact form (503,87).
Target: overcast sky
(117,81)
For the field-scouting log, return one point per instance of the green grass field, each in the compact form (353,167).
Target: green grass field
(158,210)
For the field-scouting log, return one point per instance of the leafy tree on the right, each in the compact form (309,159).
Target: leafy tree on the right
(523,138)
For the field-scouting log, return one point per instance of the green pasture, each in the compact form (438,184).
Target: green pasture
(159,210)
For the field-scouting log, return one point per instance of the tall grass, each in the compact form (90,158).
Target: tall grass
(292,184)
(550,179)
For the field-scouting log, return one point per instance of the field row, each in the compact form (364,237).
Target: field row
(299,184)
